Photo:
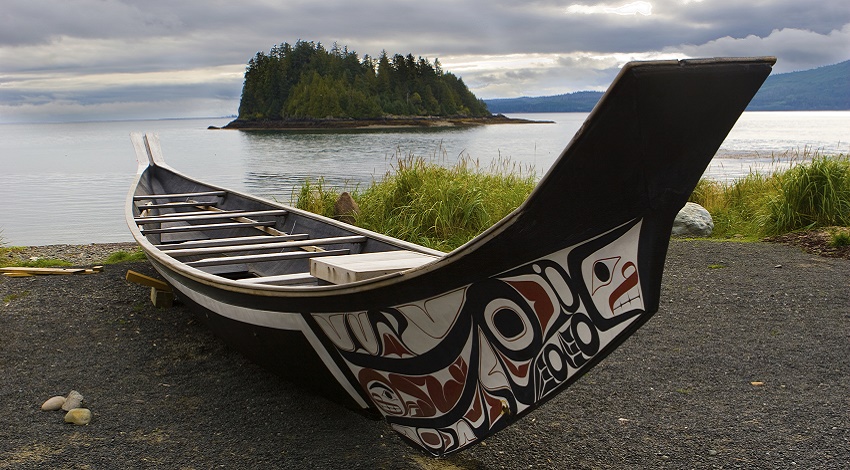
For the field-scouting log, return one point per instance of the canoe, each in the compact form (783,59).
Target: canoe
(450,348)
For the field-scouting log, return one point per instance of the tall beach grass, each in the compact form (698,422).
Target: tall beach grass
(813,193)
(441,207)
(444,206)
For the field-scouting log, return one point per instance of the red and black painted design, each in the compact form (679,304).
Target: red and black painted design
(449,370)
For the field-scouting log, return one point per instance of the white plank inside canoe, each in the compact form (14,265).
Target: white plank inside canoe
(150,197)
(266,246)
(175,205)
(280,279)
(264,257)
(232,241)
(198,228)
(351,268)
(178,217)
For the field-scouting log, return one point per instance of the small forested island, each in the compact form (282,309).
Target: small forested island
(308,86)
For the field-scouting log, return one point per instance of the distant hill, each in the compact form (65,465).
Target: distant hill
(823,88)
(578,102)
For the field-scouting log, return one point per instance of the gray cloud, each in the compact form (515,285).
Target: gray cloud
(82,55)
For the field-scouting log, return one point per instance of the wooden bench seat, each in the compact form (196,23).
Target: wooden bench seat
(177,217)
(261,258)
(357,267)
(281,279)
(265,246)
(151,197)
(175,205)
(201,227)
(232,241)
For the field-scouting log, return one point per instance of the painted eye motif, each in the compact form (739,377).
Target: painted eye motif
(386,398)
(602,272)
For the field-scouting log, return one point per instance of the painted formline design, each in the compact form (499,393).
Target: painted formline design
(449,370)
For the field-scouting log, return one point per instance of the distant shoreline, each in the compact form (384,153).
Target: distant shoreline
(381,123)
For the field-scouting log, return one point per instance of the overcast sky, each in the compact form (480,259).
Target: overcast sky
(63,60)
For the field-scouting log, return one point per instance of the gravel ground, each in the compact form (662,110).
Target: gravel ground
(746,365)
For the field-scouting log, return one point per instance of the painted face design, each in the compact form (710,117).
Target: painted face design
(611,277)
(385,398)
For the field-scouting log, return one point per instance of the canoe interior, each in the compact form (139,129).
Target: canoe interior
(180,216)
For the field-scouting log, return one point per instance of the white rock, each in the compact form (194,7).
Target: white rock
(73,400)
(78,416)
(53,404)
(693,221)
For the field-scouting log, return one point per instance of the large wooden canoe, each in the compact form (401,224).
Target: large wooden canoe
(452,347)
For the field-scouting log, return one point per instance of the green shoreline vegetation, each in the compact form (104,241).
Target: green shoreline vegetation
(813,193)
(444,207)
(441,207)
(7,260)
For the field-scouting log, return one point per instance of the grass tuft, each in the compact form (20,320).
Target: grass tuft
(809,195)
(9,298)
(33,263)
(125,257)
(429,204)
(839,238)
(317,197)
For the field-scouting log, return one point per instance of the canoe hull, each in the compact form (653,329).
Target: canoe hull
(450,369)
(456,349)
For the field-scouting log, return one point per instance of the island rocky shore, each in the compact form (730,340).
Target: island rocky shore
(745,365)
(381,123)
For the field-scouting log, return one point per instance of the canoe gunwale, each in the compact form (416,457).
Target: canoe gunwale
(459,348)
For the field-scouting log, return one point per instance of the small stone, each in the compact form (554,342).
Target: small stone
(53,404)
(712,452)
(73,400)
(78,416)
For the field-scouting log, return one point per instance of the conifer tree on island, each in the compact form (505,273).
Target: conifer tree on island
(306,81)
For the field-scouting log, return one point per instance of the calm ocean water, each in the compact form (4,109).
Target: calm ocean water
(66,183)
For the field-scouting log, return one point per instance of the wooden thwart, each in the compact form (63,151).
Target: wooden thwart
(266,246)
(233,241)
(352,268)
(264,257)
(201,227)
(176,205)
(178,217)
(151,197)
(280,279)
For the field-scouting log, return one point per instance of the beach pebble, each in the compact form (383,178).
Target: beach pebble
(53,404)
(73,400)
(78,416)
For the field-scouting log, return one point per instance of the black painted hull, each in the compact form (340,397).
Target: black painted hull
(461,347)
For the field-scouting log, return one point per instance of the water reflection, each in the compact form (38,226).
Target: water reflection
(277,162)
